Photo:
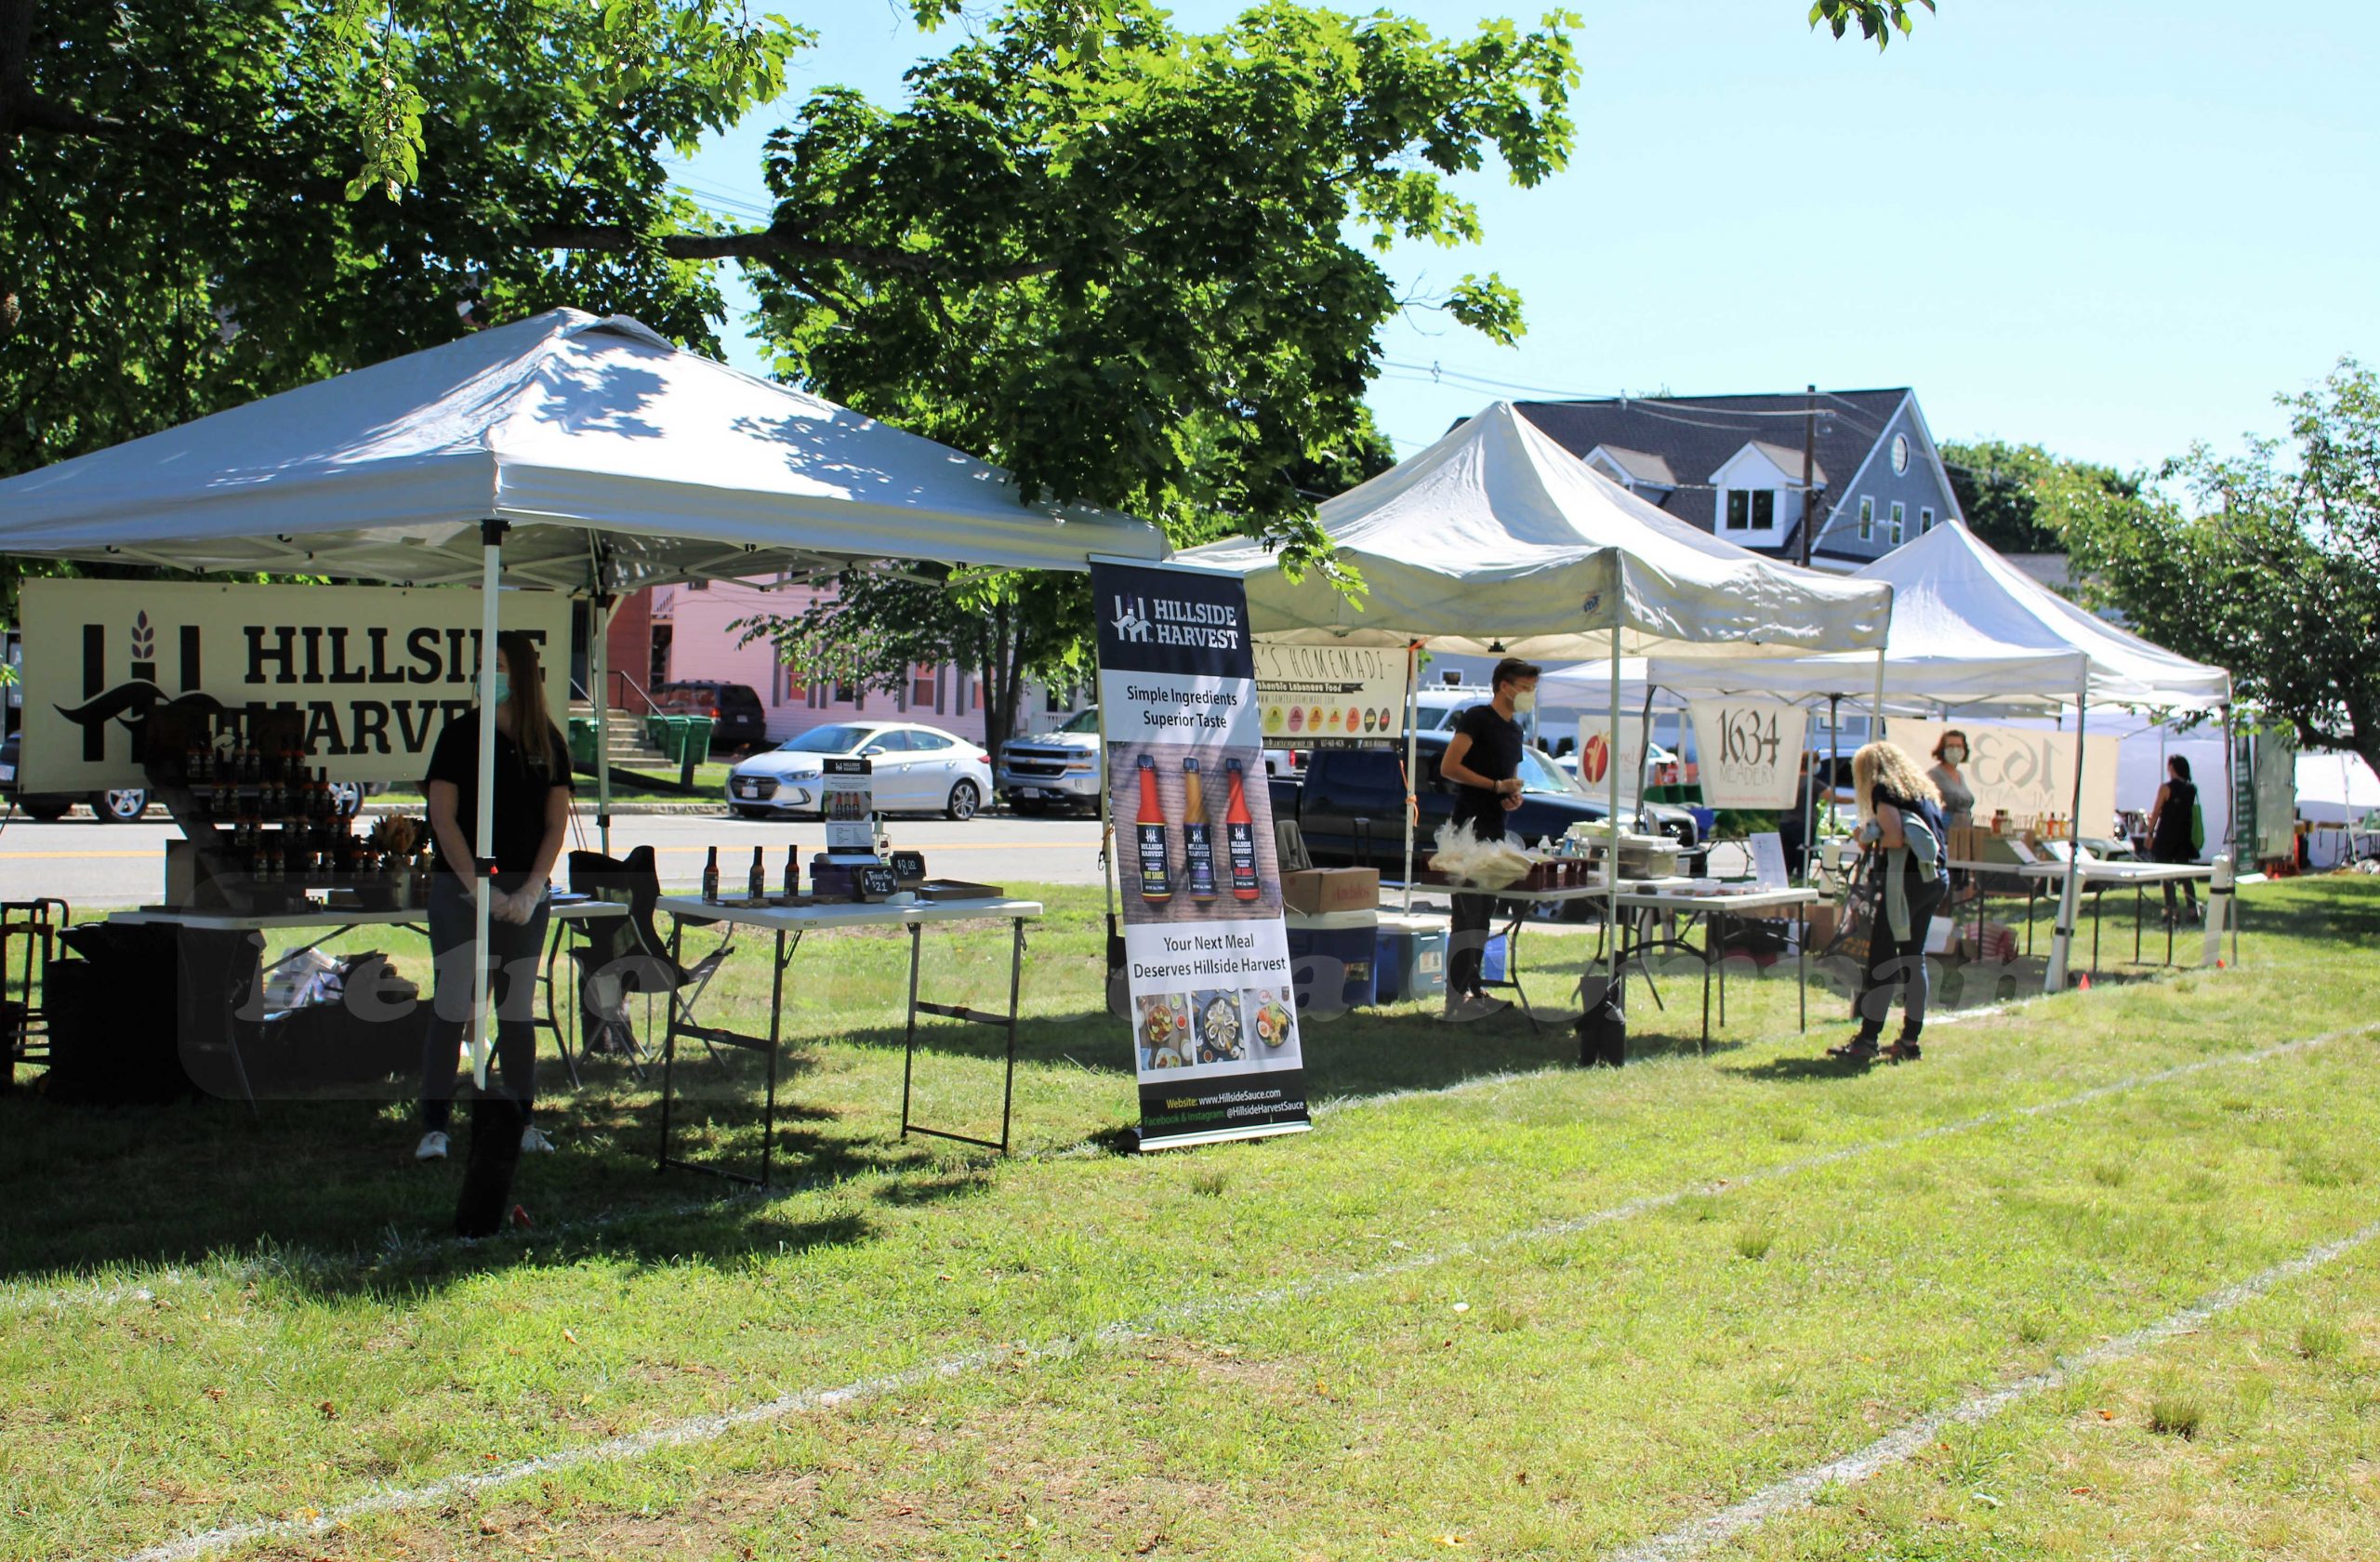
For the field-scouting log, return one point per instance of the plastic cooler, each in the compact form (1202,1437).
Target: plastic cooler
(1333,960)
(1411,957)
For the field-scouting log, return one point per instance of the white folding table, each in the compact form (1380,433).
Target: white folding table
(787,923)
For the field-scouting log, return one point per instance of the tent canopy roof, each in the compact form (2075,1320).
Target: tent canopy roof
(1970,628)
(1496,538)
(576,432)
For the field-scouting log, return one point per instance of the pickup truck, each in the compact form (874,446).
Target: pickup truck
(1349,807)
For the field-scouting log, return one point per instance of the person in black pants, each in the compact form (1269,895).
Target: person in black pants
(1483,759)
(530,820)
(2171,826)
(1894,792)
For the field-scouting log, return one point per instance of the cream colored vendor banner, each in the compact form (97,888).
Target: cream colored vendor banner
(377,669)
(1596,753)
(1748,752)
(2027,772)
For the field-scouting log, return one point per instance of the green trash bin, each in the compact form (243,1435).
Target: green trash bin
(582,742)
(694,748)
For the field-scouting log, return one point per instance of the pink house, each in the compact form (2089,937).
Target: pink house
(673,633)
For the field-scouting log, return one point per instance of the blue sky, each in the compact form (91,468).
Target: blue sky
(2114,227)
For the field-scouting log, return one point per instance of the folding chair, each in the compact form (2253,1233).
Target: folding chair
(619,956)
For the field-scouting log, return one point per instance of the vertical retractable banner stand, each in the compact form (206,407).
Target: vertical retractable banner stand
(1214,1017)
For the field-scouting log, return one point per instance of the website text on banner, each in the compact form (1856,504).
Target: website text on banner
(377,669)
(1331,697)
(2029,774)
(1215,1016)
(1750,752)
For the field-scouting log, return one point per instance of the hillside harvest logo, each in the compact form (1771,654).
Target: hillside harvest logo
(377,670)
(1205,626)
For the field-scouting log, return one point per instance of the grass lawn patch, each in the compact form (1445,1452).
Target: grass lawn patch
(1494,1305)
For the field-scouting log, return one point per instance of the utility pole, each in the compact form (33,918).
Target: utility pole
(1809,471)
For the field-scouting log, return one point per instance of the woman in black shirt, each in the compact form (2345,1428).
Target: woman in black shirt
(2172,821)
(529,820)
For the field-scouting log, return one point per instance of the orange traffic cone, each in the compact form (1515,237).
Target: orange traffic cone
(2084,983)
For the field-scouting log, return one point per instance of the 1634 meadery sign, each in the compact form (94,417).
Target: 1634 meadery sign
(378,671)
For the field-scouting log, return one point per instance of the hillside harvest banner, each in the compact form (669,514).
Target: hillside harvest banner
(378,671)
(1215,1043)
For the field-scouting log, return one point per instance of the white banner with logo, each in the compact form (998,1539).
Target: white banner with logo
(1596,753)
(1748,751)
(1323,697)
(2027,772)
(377,669)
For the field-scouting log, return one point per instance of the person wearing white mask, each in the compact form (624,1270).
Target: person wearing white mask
(1483,759)
(1958,797)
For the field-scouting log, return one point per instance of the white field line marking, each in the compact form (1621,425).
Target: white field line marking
(1798,1492)
(706,1428)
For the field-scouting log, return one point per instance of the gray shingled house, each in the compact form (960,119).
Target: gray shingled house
(1732,465)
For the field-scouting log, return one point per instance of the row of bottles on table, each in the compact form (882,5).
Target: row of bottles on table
(305,794)
(308,849)
(756,882)
(244,763)
(1197,837)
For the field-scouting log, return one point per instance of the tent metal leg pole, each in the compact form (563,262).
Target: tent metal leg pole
(599,676)
(1876,710)
(483,821)
(2061,940)
(1412,758)
(1611,864)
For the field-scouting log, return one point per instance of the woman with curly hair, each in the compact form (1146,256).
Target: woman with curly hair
(1903,821)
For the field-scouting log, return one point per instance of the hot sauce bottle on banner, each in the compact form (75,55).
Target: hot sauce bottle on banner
(1239,835)
(1197,836)
(1157,879)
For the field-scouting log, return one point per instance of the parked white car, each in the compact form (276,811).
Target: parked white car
(916,770)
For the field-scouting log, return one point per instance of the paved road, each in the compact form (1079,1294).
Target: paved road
(91,863)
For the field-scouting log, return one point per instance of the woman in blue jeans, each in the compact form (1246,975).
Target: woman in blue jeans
(1895,795)
(530,819)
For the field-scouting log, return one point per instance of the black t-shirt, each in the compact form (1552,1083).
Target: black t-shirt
(520,792)
(1495,752)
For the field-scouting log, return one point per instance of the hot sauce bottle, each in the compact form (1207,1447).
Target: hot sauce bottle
(756,883)
(1156,877)
(711,876)
(792,874)
(1239,835)
(1197,836)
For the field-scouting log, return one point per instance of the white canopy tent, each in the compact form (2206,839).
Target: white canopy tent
(1972,632)
(563,451)
(1497,541)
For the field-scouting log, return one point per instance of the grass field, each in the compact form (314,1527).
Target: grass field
(1493,1306)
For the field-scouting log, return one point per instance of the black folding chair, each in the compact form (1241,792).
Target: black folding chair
(620,956)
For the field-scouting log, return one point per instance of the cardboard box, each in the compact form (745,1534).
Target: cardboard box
(1319,891)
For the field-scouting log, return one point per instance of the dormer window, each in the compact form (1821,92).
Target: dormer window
(1752,510)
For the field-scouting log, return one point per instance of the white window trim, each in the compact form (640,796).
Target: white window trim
(1866,519)
(1924,519)
(1901,521)
(1775,513)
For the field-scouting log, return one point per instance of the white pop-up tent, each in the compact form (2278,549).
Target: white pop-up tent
(1972,632)
(563,451)
(1498,540)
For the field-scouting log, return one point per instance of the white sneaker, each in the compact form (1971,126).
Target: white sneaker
(534,1143)
(433,1146)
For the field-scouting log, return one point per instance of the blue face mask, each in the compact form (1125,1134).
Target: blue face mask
(503,686)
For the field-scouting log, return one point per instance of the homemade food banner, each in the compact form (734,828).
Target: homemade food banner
(1750,751)
(1331,697)
(1215,1040)
(378,671)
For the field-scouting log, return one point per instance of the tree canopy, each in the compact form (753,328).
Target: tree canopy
(2011,495)
(2273,573)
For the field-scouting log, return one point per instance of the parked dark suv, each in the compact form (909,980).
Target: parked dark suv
(743,720)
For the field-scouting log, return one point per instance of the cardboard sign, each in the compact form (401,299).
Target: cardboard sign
(1331,697)
(1215,1041)
(378,670)
(1750,751)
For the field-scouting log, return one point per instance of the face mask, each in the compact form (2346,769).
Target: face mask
(1954,754)
(1524,701)
(503,686)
